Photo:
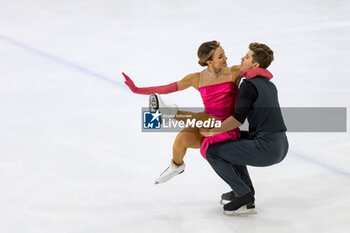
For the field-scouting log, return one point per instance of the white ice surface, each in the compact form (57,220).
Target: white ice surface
(72,155)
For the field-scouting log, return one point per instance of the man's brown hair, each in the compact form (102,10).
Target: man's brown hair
(262,54)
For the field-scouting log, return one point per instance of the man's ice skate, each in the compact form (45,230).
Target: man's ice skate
(230,196)
(170,172)
(156,103)
(227,197)
(238,206)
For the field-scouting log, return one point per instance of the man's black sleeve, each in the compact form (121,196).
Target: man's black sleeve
(246,97)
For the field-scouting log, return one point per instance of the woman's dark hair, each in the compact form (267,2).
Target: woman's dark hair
(206,51)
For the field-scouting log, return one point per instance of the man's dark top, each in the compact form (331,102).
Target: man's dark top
(258,101)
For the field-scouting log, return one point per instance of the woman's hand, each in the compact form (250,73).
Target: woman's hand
(130,83)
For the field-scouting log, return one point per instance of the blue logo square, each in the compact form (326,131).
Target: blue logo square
(152,120)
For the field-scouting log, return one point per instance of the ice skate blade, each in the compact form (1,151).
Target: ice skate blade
(249,206)
(243,211)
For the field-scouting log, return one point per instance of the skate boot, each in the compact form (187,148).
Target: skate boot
(170,172)
(156,103)
(239,205)
(230,196)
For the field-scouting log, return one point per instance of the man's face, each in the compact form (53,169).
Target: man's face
(247,61)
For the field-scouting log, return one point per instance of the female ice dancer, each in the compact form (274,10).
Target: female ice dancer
(218,86)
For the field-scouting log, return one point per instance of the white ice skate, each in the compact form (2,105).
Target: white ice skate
(156,103)
(170,172)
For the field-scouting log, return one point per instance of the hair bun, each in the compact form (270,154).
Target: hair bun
(202,63)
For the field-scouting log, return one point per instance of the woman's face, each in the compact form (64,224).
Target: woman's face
(219,59)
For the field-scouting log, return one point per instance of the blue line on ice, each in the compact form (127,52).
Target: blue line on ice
(60,60)
(321,164)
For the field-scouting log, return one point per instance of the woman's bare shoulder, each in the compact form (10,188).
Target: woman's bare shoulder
(190,80)
(194,75)
(235,69)
(235,74)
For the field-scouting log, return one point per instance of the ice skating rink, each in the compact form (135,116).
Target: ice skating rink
(73,158)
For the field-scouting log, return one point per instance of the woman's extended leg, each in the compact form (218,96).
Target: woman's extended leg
(187,138)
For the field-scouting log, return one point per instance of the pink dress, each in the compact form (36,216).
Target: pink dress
(220,101)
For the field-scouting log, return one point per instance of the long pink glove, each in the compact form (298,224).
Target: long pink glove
(165,89)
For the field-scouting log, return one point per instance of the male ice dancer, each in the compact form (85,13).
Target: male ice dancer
(264,145)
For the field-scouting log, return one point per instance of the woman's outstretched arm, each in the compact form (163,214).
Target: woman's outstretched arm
(186,82)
